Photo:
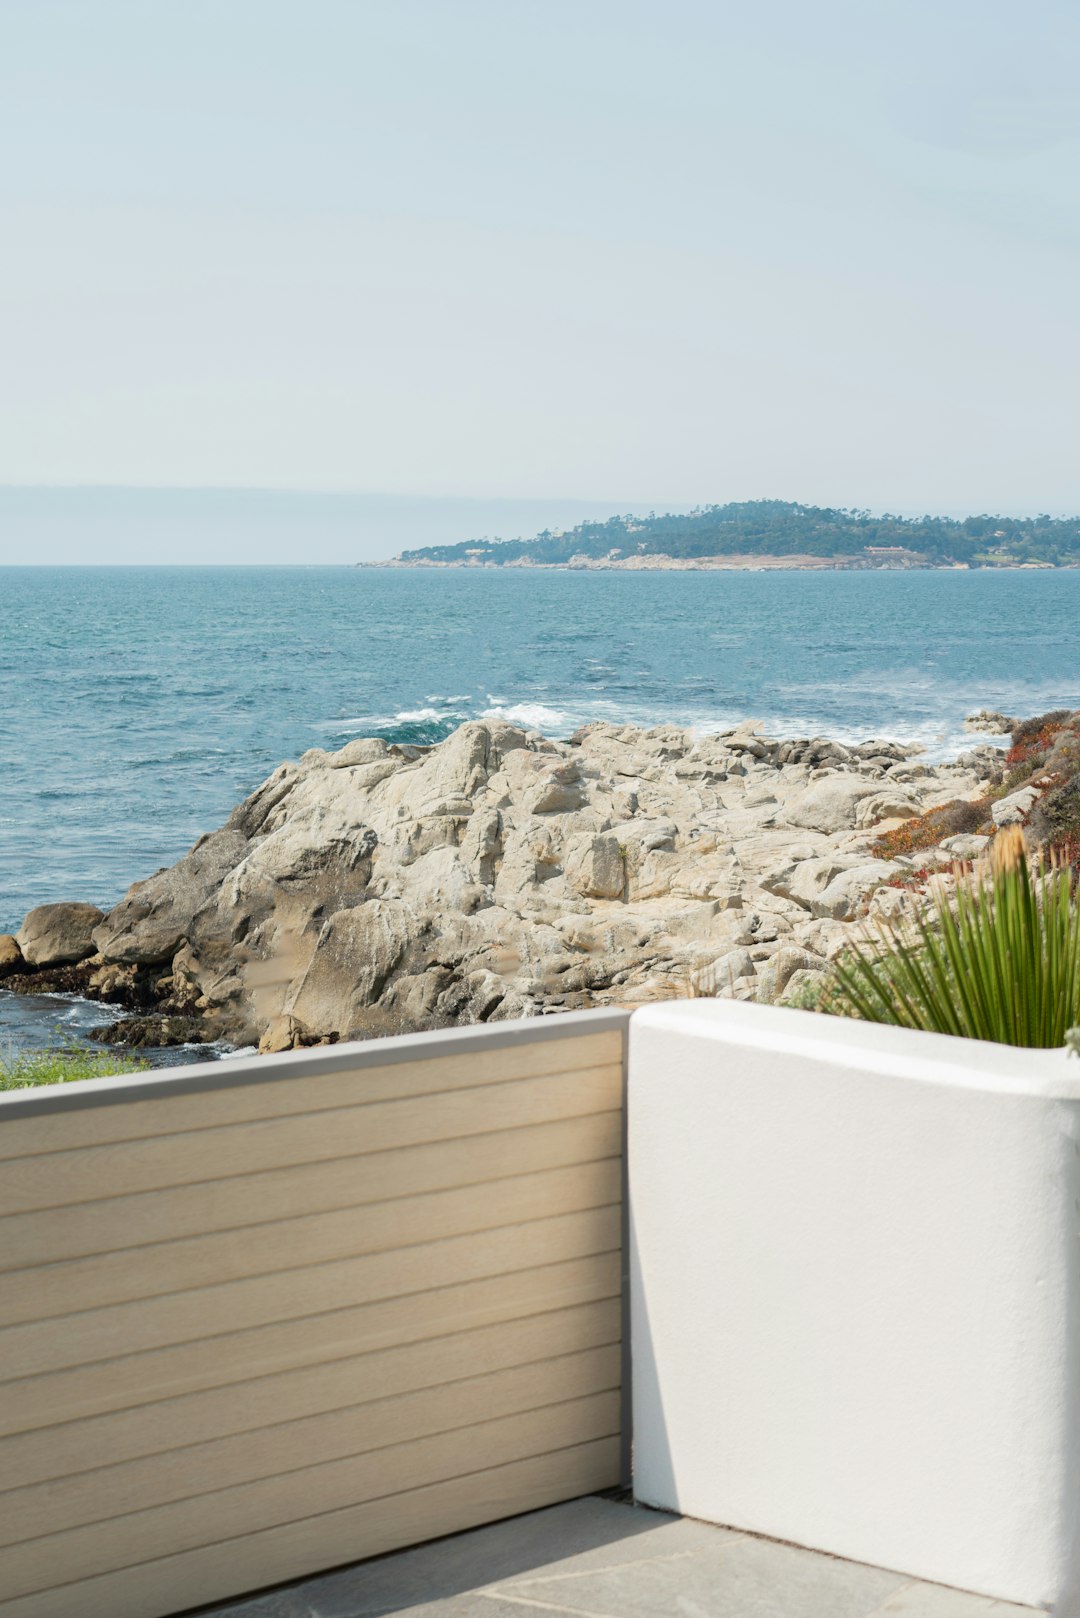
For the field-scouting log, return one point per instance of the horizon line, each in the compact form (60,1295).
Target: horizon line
(631,507)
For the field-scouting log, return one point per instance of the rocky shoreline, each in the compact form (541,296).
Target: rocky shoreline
(657,562)
(383,889)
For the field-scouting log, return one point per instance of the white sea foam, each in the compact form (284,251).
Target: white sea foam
(415,716)
(387,721)
(533,715)
(938,739)
(937,744)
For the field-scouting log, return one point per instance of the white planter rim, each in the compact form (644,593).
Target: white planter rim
(875,1048)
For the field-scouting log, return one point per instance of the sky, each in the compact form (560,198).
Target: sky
(565,254)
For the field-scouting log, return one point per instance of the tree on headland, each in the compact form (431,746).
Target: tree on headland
(787,528)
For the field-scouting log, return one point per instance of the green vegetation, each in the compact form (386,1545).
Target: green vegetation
(785,528)
(65,1066)
(999,961)
(1046,754)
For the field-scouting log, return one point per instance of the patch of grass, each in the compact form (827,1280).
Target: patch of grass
(64,1066)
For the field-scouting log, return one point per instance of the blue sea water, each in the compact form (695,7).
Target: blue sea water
(138,704)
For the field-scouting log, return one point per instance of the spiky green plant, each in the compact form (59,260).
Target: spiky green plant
(999,959)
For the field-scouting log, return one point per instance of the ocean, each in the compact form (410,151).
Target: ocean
(139,704)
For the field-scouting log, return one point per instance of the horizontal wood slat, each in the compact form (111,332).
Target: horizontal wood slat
(38,1401)
(188,1210)
(254,1329)
(43,1345)
(272,1556)
(108,1491)
(73,1447)
(88,1173)
(528,1057)
(214,1259)
(286,1497)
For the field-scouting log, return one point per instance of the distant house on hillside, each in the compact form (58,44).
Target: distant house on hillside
(894,555)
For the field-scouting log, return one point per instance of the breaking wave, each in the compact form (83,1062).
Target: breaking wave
(532,715)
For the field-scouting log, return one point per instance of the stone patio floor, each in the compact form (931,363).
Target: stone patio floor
(598,1558)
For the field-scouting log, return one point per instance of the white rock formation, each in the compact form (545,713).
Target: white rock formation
(381,889)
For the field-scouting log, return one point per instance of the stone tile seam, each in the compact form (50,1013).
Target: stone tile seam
(977,1603)
(508,1593)
(613,1567)
(881,1608)
(544,1606)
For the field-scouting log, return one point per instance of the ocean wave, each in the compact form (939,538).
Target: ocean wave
(414,716)
(450,712)
(342,727)
(938,739)
(418,726)
(64,794)
(532,715)
(940,736)
(185,755)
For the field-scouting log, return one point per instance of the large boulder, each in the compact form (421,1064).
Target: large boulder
(804,876)
(719,977)
(843,898)
(59,934)
(11,956)
(1014,810)
(596,867)
(464,762)
(558,791)
(990,723)
(829,805)
(891,804)
(357,950)
(155,917)
(777,972)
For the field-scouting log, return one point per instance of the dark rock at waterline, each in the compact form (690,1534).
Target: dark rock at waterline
(133,988)
(11,957)
(52,980)
(58,934)
(153,1032)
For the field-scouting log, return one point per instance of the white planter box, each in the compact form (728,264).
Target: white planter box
(856,1291)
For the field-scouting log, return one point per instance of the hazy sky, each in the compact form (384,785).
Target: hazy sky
(625,250)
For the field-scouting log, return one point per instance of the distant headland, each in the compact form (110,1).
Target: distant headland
(772,534)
